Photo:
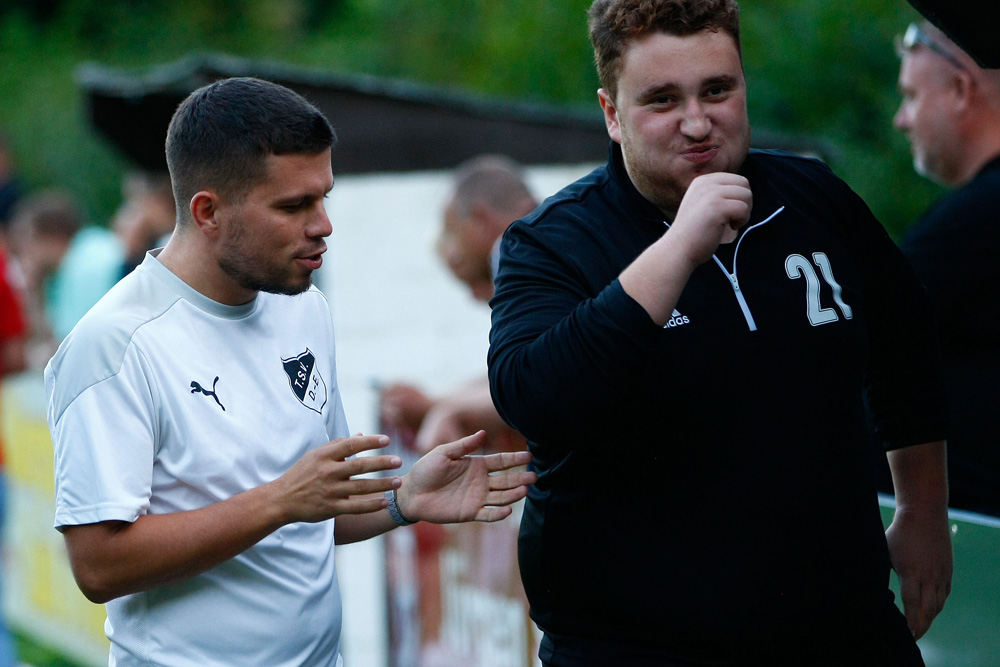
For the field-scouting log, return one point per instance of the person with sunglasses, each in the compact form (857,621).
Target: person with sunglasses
(950,112)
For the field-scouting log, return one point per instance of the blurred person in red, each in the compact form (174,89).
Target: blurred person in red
(12,360)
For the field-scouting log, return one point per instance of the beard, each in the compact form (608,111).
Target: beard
(664,193)
(259,280)
(259,272)
(929,166)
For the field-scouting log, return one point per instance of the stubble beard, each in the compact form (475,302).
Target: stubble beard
(253,273)
(272,284)
(928,166)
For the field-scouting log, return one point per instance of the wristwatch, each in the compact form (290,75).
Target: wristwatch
(394,512)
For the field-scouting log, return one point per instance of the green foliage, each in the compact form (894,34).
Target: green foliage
(824,71)
(31,652)
(827,70)
(41,114)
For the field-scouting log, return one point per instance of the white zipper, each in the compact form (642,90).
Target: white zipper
(739,294)
(733,280)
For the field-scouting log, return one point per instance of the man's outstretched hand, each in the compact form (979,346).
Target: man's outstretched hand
(449,485)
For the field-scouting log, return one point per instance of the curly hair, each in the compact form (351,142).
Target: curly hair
(614,23)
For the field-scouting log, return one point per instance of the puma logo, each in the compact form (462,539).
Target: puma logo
(198,389)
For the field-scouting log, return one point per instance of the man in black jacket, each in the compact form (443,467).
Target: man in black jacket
(951,114)
(701,320)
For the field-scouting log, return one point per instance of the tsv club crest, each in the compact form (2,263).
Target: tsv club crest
(306,382)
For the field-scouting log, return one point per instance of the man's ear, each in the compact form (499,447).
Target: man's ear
(610,115)
(482,215)
(964,86)
(204,208)
(485,222)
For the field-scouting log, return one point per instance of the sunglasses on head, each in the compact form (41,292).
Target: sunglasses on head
(915,35)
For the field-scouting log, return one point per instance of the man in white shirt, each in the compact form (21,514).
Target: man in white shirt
(204,468)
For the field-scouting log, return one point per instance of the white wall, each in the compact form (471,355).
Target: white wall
(399,316)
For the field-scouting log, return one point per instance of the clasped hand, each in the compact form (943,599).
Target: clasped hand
(714,208)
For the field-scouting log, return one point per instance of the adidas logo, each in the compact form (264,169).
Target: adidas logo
(676,320)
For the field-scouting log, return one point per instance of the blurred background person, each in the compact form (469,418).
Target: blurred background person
(65,267)
(12,360)
(145,218)
(487,194)
(950,112)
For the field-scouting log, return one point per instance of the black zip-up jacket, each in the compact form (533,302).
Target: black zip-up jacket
(707,487)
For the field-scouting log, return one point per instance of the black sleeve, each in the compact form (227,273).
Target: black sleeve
(566,338)
(952,250)
(904,383)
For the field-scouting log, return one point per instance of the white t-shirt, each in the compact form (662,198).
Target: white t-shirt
(162,400)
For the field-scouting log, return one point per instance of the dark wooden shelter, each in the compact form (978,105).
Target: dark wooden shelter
(382,125)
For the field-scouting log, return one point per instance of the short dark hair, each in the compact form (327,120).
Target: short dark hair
(221,134)
(614,23)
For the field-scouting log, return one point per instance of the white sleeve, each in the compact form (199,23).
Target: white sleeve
(104,439)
